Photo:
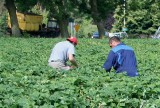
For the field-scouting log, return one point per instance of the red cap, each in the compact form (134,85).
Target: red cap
(73,40)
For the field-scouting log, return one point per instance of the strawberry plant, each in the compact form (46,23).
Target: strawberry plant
(27,81)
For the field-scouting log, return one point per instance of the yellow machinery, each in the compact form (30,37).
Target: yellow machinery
(32,23)
(28,22)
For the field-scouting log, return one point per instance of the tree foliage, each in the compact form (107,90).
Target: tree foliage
(142,16)
(61,10)
(98,10)
(25,5)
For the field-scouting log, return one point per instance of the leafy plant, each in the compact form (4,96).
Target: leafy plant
(27,81)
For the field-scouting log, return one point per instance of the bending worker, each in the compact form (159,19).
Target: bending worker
(62,52)
(121,57)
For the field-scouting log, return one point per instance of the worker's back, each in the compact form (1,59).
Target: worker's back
(61,51)
(125,60)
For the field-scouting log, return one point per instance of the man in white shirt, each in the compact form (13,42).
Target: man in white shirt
(62,52)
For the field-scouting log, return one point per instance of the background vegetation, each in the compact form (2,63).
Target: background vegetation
(142,16)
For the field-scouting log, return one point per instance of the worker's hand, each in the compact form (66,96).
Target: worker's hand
(73,67)
(72,60)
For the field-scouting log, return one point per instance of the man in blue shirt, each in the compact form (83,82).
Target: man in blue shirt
(121,57)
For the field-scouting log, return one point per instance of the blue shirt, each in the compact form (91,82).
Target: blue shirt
(122,58)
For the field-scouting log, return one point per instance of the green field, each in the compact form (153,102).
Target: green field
(26,80)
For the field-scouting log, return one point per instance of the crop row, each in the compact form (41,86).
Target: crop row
(26,80)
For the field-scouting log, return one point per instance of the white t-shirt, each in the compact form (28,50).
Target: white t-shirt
(61,51)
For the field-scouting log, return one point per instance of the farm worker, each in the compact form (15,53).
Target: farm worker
(121,57)
(62,52)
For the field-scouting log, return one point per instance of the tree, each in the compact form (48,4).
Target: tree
(142,17)
(13,18)
(96,17)
(98,10)
(61,10)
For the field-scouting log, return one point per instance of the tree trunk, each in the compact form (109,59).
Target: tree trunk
(63,24)
(96,17)
(13,18)
(101,30)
